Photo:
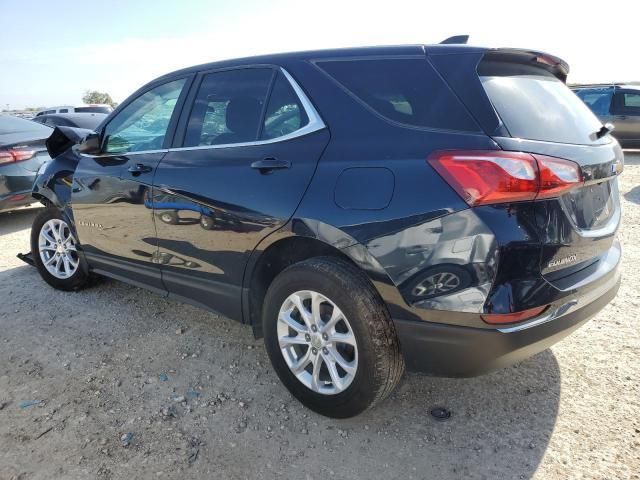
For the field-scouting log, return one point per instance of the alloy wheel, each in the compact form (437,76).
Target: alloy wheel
(317,342)
(57,249)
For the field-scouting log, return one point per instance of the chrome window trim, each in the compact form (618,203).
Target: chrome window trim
(315,123)
(125,154)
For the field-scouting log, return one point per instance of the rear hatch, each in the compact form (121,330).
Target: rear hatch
(535,112)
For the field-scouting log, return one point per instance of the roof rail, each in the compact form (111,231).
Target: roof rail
(457,39)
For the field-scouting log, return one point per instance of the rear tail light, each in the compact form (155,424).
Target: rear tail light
(502,318)
(494,176)
(15,155)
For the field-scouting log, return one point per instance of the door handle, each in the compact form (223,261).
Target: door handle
(267,165)
(139,168)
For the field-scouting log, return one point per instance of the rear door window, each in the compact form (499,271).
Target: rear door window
(404,90)
(535,105)
(597,99)
(228,107)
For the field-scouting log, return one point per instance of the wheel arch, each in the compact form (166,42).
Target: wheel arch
(293,245)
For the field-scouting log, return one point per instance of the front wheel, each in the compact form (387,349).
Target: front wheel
(55,252)
(330,338)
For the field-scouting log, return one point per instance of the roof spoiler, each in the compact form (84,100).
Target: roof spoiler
(456,40)
(555,65)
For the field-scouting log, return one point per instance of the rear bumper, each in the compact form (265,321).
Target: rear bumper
(455,351)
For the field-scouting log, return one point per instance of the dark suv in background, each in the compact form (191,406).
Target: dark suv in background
(449,207)
(616,104)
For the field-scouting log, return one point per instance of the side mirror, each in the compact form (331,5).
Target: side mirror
(90,145)
(64,138)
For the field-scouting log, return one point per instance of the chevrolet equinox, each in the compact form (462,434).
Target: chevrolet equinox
(445,207)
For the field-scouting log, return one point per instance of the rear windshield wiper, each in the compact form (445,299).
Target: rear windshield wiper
(606,128)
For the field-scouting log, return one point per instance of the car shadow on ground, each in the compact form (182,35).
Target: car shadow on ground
(632,157)
(500,424)
(633,195)
(16,220)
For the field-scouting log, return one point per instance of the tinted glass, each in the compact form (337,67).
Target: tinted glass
(64,110)
(285,114)
(597,99)
(407,91)
(228,107)
(535,105)
(93,109)
(142,125)
(632,103)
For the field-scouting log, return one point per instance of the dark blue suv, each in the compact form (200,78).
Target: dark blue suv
(447,207)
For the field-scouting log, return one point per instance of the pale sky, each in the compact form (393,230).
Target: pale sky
(51,51)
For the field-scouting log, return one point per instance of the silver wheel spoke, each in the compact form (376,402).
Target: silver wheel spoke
(300,365)
(288,341)
(316,301)
(333,372)
(304,313)
(286,318)
(56,232)
(347,338)
(340,360)
(67,266)
(315,375)
(307,347)
(57,249)
(336,316)
(48,237)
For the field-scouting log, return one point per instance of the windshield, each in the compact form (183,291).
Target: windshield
(535,105)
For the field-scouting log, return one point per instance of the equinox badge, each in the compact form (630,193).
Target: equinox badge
(563,261)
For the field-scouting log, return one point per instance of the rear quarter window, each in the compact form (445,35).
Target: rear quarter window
(404,90)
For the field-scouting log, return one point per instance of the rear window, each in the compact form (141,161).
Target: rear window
(535,105)
(92,110)
(404,90)
(9,124)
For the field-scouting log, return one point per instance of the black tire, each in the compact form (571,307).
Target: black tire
(380,363)
(79,279)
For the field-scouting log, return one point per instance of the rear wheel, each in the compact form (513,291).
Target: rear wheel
(54,251)
(330,337)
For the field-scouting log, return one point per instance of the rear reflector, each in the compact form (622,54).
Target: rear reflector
(15,155)
(494,176)
(502,318)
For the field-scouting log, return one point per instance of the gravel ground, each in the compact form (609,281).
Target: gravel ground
(127,384)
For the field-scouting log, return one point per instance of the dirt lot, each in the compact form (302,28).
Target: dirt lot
(129,385)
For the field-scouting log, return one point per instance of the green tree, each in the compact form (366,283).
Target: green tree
(93,96)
